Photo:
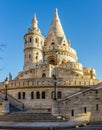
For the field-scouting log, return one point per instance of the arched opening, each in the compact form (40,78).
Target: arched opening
(30,40)
(52,43)
(64,44)
(52,95)
(43,75)
(59,95)
(43,95)
(29,55)
(19,95)
(63,61)
(97,107)
(36,40)
(52,60)
(32,95)
(85,110)
(37,95)
(72,113)
(23,95)
(36,58)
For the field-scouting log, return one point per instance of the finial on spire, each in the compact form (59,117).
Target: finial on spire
(34,16)
(35,22)
(56,11)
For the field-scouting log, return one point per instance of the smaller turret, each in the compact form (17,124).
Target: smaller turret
(34,42)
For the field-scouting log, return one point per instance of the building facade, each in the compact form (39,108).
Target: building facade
(51,70)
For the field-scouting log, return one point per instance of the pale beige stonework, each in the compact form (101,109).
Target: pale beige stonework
(45,57)
(90,99)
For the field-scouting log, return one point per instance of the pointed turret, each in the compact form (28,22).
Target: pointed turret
(56,27)
(35,41)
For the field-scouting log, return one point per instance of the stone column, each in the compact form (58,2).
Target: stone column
(55,108)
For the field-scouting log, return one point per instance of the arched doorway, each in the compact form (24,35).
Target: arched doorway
(52,60)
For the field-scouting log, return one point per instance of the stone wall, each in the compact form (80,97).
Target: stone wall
(30,103)
(83,106)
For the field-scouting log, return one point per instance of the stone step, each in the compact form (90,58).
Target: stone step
(28,117)
(13,108)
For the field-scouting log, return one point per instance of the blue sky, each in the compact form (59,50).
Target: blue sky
(81,21)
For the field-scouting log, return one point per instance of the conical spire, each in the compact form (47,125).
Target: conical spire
(56,26)
(35,22)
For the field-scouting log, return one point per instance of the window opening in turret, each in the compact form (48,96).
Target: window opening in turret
(30,40)
(29,56)
(64,44)
(37,53)
(52,43)
(36,40)
(43,75)
(36,57)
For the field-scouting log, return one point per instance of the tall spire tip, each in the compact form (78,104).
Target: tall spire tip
(56,11)
(34,15)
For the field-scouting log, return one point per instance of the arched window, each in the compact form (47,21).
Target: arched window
(97,107)
(43,95)
(85,110)
(52,95)
(29,55)
(59,95)
(72,113)
(37,53)
(52,43)
(23,95)
(32,95)
(53,62)
(37,95)
(36,57)
(30,40)
(43,75)
(64,44)
(36,40)
(19,95)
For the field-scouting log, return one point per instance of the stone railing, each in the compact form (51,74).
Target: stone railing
(72,66)
(12,100)
(47,82)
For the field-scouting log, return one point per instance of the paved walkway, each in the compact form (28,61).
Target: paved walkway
(40,125)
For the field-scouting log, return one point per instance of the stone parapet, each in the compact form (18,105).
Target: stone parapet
(4,107)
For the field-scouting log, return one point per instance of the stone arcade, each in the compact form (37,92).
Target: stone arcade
(52,71)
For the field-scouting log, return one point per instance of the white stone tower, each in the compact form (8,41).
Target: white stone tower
(57,48)
(33,45)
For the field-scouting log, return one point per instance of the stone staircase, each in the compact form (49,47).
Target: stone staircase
(13,108)
(28,117)
(14,103)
